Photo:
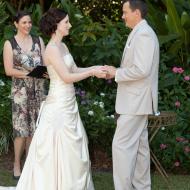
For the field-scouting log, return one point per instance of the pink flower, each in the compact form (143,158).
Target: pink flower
(175,69)
(177,164)
(163,146)
(178,70)
(177,104)
(187,78)
(187,149)
(180,139)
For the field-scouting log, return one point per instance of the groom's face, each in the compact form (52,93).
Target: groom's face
(129,16)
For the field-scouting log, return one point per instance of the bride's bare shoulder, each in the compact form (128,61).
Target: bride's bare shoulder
(51,45)
(65,47)
(51,48)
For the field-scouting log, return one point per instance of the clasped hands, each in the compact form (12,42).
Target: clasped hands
(106,72)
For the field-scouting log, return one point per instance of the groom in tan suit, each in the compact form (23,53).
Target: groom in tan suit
(137,96)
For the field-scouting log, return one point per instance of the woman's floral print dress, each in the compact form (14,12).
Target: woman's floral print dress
(28,93)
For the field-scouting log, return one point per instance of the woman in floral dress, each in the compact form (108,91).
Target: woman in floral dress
(21,54)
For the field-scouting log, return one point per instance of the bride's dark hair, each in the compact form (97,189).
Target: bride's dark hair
(49,21)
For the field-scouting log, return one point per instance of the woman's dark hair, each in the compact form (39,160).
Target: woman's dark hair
(138,4)
(19,15)
(49,21)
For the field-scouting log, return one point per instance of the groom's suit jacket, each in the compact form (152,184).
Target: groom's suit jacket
(137,77)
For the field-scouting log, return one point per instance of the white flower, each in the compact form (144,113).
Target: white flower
(91,113)
(2,83)
(102,94)
(101,104)
(78,16)
(96,103)
(163,128)
(2,105)
(110,116)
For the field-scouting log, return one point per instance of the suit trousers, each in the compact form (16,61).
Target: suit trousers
(131,154)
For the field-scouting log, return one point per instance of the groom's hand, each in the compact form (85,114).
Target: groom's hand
(100,72)
(110,71)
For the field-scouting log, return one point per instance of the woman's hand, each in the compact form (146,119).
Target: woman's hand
(25,75)
(45,75)
(99,72)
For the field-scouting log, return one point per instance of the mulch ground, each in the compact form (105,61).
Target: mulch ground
(100,161)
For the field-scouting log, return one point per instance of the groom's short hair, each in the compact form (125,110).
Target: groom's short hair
(138,4)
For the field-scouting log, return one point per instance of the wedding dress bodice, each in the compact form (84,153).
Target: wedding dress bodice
(58,88)
(54,77)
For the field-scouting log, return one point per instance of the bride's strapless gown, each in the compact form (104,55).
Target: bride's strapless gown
(58,157)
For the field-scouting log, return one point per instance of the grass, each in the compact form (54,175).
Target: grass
(103,181)
(6,178)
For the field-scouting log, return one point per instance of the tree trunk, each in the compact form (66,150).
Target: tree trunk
(20,5)
(42,4)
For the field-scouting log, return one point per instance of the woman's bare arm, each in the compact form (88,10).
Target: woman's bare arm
(8,63)
(53,57)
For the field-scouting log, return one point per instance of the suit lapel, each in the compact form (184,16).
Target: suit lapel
(131,36)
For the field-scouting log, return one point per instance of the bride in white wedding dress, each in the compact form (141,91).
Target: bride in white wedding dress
(58,157)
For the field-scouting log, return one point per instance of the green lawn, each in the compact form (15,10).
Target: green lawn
(103,181)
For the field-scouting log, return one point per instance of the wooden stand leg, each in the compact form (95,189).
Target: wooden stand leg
(159,167)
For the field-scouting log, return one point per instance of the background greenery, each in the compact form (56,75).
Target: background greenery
(98,37)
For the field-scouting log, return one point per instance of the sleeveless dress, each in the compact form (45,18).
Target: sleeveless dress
(58,157)
(27,94)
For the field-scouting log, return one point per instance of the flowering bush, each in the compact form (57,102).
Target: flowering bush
(172,144)
(5,114)
(97,113)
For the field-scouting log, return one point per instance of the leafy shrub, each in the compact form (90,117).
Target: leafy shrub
(5,114)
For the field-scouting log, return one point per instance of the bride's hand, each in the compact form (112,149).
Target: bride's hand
(99,72)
